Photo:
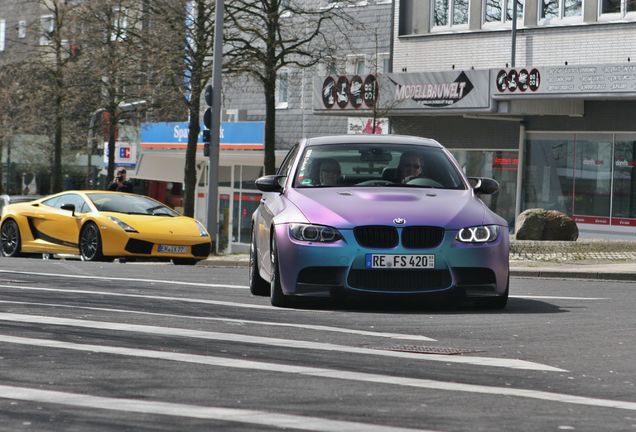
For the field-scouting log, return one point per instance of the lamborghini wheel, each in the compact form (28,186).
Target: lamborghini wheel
(90,244)
(10,239)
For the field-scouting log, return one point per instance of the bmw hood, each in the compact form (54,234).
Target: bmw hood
(348,208)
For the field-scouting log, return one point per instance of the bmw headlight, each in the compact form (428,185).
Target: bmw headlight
(314,233)
(123,225)
(478,234)
(202,231)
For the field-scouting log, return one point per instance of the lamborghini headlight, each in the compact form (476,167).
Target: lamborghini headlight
(314,233)
(478,234)
(123,225)
(202,231)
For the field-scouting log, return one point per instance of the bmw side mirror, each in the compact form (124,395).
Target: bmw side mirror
(484,185)
(69,207)
(270,183)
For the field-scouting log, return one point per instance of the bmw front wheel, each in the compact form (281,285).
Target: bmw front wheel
(277,297)
(258,285)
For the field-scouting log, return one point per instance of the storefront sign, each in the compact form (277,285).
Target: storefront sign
(594,220)
(233,135)
(125,154)
(571,81)
(404,92)
(364,125)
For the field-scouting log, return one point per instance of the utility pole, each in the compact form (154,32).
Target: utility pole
(215,126)
(514,34)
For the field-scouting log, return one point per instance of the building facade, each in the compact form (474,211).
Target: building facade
(555,126)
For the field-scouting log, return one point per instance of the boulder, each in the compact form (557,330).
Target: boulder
(541,224)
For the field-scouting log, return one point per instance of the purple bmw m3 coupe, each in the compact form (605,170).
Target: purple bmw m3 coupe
(389,215)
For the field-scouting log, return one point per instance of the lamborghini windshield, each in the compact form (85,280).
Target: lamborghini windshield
(130,204)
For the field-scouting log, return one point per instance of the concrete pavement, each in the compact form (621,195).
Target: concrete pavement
(584,259)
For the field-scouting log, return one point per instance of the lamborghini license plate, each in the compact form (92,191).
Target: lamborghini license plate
(162,248)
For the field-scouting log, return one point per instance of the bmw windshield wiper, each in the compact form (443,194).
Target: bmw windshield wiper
(411,185)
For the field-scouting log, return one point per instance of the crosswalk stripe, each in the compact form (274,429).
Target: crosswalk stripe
(233,320)
(261,418)
(327,373)
(145,296)
(111,278)
(557,297)
(283,343)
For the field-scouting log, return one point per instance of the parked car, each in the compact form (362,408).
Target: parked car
(11,199)
(101,226)
(388,215)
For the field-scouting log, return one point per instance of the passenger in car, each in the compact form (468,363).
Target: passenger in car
(410,167)
(329,172)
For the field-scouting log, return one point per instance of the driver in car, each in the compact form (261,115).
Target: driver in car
(410,167)
(329,172)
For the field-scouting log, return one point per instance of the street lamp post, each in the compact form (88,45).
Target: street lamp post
(215,125)
(90,147)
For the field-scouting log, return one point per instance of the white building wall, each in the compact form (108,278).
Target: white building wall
(554,45)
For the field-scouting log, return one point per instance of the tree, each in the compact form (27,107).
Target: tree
(113,56)
(53,64)
(183,37)
(264,36)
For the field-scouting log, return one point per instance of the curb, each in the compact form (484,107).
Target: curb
(574,275)
(223,263)
(531,273)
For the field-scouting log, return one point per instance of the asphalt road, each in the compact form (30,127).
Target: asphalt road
(155,347)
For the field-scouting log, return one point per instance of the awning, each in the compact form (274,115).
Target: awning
(167,168)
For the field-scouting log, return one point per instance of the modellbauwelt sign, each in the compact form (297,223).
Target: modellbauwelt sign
(404,92)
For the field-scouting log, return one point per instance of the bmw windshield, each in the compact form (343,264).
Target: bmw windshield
(378,165)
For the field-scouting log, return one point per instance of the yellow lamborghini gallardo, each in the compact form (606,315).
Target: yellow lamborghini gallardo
(101,226)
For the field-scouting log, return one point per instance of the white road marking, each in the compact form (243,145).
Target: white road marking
(261,418)
(327,373)
(240,321)
(557,297)
(285,343)
(181,299)
(110,278)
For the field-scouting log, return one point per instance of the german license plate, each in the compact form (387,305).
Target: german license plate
(162,248)
(374,261)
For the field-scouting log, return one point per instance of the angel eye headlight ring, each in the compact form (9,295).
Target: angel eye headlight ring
(478,234)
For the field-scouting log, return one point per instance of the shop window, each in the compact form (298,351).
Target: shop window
(592,175)
(554,10)
(500,11)
(448,13)
(500,165)
(624,177)
(548,176)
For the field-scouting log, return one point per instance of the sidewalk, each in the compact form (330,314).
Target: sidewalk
(585,259)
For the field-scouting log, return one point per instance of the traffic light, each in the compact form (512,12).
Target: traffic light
(207,121)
